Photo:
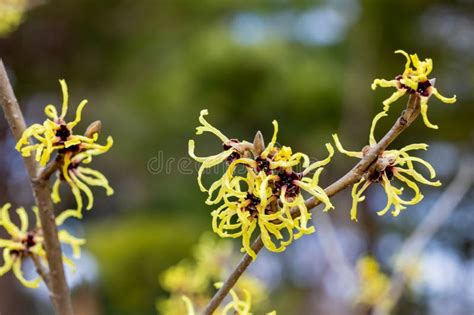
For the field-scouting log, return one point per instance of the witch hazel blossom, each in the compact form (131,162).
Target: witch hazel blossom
(55,134)
(74,152)
(240,305)
(79,178)
(69,153)
(262,199)
(414,80)
(390,165)
(27,241)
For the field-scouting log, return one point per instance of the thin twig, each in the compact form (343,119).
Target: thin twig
(41,271)
(46,172)
(414,245)
(59,291)
(353,176)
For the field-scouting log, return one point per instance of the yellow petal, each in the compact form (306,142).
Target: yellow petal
(189,305)
(55,190)
(65,98)
(7,262)
(377,117)
(78,114)
(19,275)
(407,64)
(384,83)
(442,98)
(424,113)
(393,98)
(272,143)
(207,127)
(23,219)
(343,151)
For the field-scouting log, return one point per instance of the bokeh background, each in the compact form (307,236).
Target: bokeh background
(148,68)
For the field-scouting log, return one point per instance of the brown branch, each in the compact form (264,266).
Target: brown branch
(41,271)
(414,245)
(59,291)
(353,176)
(46,172)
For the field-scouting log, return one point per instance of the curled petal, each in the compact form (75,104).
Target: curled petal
(84,188)
(343,151)
(79,109)
(384,83)
(377,117)
(416,198)
(69,262)
(418,177)
(247,232)
(449,100)
(414,146)
(207,127)
(357,197)
(424,113)
(94,178)
(72,241)
(318,193)
(7,262)
(23,219)
(391,194)
(189,305)
(320,163)
(272,143)
(55,190)
(407,64)
(6,222)
(393,98)
(65,98)
(51,112)
(19,275)
(207,162)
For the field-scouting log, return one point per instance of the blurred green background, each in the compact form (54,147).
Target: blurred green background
(148,68)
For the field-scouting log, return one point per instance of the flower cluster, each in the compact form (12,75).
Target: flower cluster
(11,15)
(414,80)
(27,242)
(73,150)
(267,196)
(193,280)
(390,165)
(237,306)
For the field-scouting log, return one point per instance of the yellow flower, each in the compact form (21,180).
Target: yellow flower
(373,284)
(11,15)
(237,306)
(233,149)
(264,196)
(25,242)
(239,216)
(414,80)
(55,134)
(212,257)
(79,178)
(391,164)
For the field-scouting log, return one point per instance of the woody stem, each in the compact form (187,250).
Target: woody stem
(353,176)
(58,289)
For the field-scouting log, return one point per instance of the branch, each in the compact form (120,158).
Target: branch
(438,214)
(353,176)
(41,271)
(59,291)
